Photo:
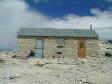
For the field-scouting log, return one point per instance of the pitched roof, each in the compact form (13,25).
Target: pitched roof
(57,32)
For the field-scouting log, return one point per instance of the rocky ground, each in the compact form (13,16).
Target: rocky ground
(96,70)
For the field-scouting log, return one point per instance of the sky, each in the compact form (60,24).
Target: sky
(15,14)
(60,8)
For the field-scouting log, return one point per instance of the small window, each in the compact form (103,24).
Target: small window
(60,43)
(59,46)
(59,53)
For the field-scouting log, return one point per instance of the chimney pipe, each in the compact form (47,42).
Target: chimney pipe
(91,27)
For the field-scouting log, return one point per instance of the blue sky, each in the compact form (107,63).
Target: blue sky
(61,8)
(75,14)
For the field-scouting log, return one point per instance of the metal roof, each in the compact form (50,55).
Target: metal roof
(57,32)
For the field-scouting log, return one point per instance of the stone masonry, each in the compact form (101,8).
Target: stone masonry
(69,50)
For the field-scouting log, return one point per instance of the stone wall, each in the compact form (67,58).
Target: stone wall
(50,48)
(24,46)
(69,50)
(92,48)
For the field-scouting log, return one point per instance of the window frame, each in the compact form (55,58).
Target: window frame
(60,42)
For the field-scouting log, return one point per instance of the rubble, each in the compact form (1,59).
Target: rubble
(96,70)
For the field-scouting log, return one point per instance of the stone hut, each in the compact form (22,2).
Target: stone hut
(53,43)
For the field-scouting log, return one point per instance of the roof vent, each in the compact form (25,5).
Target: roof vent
(91,27)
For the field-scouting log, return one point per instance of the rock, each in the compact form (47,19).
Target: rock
(94,65)
(40,63)
(1,61)
(103,71)
(108,54)
(99,78)
(84,80)
(14,77)
(14,56)
(77,63)
(5,56)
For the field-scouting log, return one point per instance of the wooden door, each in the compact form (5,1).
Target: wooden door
(81,49)
(39,48)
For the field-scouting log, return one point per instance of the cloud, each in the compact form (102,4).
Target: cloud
(15,14)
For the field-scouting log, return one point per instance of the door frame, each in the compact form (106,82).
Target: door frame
(40,48)
(81,48)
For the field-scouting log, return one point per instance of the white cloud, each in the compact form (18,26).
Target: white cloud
(15,14)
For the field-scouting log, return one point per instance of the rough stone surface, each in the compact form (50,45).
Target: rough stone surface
(94,70)
(69,50)
(92,48)
(24,46)
(50,48)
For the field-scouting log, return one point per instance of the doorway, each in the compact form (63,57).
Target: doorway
(81,49)
(39,48)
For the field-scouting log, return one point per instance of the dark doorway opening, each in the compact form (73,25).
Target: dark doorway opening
(81,49)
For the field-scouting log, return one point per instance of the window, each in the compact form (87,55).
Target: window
(60,43)
(59,53)
(59,46)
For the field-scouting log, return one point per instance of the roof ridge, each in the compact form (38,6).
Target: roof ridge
(57,32)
